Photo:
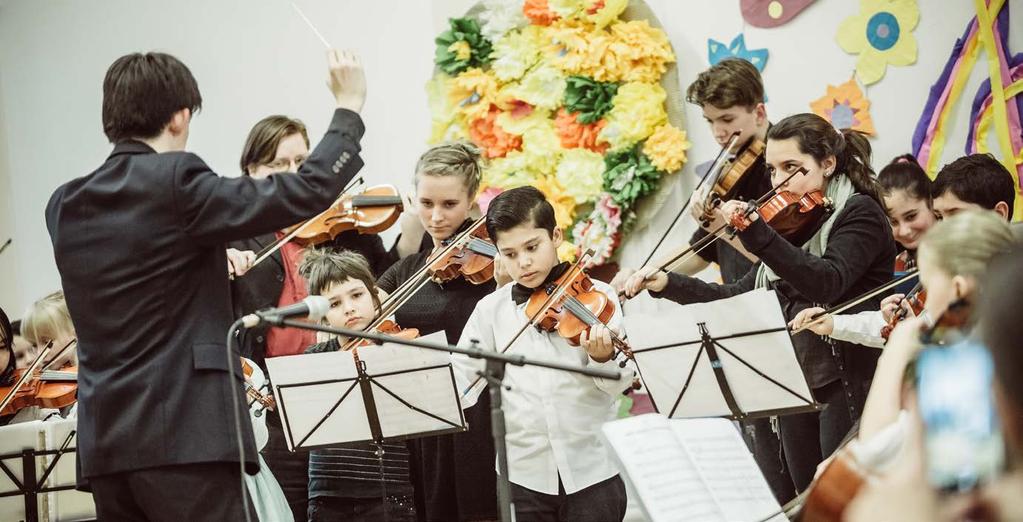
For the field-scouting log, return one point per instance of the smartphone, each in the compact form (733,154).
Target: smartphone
(962,436)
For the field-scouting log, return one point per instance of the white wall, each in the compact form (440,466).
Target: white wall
(255,57)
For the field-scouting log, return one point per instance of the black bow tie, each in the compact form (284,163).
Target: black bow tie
(520,294)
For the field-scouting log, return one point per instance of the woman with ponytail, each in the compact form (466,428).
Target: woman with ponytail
(851,252)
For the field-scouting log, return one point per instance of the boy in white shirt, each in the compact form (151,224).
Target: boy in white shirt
(558,465)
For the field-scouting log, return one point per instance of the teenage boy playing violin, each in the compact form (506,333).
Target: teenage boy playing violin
(559,467)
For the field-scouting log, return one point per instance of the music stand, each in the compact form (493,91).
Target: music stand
(735,354)
(32,465)
(378,394)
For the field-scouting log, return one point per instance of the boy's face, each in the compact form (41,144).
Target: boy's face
(351,305)
(528,253)
(948,204)
(724,122)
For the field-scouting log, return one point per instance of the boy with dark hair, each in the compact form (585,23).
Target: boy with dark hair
(977,181)
(558,464)
(139,244)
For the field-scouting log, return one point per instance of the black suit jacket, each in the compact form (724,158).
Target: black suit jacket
(139,244)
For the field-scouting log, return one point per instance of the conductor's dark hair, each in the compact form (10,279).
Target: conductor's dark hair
(141,92)
(977,178)
(519,206)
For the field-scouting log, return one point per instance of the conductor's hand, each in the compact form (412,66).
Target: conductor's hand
(347,80)
(597,343)
(239,262)
(648,278)
(803,320)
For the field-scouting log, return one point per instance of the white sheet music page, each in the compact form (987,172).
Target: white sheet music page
(727,468)
(672,359)
(660,470)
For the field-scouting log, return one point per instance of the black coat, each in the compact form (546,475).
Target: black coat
(139,244)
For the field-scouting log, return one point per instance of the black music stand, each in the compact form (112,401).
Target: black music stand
(755,375)
(30,486)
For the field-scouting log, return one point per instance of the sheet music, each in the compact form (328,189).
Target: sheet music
(727,468)
(690,469)
(666,370)
(660,471)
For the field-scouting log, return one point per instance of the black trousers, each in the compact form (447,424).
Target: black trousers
(604,501)
(809,437)
(290,469)
(765,445)
(389,509)
(193,492)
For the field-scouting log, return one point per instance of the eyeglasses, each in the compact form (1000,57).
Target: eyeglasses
(287,164)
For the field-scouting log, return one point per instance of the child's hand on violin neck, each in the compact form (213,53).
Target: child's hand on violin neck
(597,342)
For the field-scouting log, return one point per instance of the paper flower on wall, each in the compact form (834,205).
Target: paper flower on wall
(845,107)
(461,47)
(717,51)
(771,13)
(881,34)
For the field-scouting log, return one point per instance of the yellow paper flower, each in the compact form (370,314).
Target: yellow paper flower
(542,87)
(581,172)
(845,107)
(542,148)
(666,148)
(566,8)
(637,53)
(564,205)
(576,47)
(519,125)
(603,12)
(638,110)
(461,50)
(516,52)
(472,92)
(508,172)
(881,33)
(567,252)
(446,124)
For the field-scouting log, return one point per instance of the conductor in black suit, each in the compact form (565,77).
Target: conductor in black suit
(139,244)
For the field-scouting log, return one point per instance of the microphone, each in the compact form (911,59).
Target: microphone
(314,306)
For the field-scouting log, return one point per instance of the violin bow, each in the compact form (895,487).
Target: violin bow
(26,376)
(419,278)
(910,274)
(60,353)
(715,167)
(275,246)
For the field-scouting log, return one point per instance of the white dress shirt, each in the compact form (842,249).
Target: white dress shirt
(553,418)
(863,328)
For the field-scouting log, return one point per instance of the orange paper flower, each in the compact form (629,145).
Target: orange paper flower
(488,135)
(574,134)
(539,12)
(845,107)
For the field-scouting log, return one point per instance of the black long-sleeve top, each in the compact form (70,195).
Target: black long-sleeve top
(859,256)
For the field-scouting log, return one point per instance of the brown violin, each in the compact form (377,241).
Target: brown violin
(731,173)
(386,327)
(794,217)
(916,298)
(252,391)
(570,305)
(473,259)
(46,389)
(371,212)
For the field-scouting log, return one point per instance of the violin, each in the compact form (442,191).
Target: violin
(253,388)
(916,298)
(46,389)
(731,173)
(794,217)
(473,259)
(570,305)
(837,486)
(386,327)
(371,212)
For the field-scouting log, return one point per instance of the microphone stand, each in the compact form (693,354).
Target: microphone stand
(493,373)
